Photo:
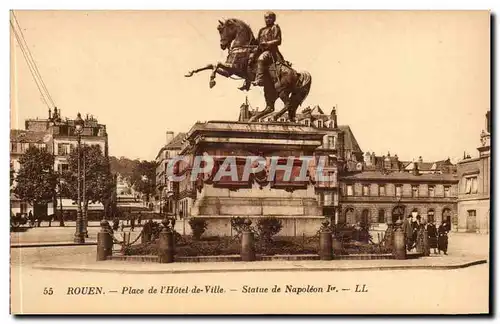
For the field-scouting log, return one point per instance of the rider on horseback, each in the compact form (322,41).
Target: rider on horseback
(269,39)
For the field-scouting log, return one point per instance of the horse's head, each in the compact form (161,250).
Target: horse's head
(234,29)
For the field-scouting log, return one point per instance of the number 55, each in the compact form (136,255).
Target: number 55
(48,291)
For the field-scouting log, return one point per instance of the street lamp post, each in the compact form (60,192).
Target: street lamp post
(79,231)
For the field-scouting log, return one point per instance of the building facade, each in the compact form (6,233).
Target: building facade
(166,188)
(57,136)
(378,198)
(474,187)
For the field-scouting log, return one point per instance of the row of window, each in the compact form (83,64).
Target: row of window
(351,217)
(398,192)
(317,123)
(23,147)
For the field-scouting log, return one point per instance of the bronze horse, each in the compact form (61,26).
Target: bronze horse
(281,82)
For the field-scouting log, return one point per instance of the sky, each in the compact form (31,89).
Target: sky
(409,83)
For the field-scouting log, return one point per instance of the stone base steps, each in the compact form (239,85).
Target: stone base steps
(236,257)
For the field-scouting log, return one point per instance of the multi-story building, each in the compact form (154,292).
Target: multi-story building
(381,196)
(166,188)
(57,136)
(20,141)
(474,187)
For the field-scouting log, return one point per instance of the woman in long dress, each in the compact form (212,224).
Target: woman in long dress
(443,238)
(432,235)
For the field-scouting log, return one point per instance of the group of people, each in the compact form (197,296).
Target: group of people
(130,219)
(438,237)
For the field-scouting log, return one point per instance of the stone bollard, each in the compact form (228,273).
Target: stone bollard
(166,248)
(146,233)
(336,246)
(399,242)
(247,242)
(325,242)
(104,242)
(427,247)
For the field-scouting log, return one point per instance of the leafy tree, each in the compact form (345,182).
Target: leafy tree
(36,180)
(123,166)
(94,167)
(144,178)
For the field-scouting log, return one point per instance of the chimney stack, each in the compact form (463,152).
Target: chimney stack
(420,160)
(169,137)
(415,168)
(244,111)
(333,115)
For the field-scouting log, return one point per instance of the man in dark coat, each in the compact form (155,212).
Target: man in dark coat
(416,226)
(432,235)
(408,231)
(443,237)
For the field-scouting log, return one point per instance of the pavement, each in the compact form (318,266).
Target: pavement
(466,250)
(427,263)
(58,236)
(439,284)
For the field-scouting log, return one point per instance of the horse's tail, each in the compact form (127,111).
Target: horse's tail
(304,86)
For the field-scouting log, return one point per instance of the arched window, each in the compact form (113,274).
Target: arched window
(381,216)
(350,216)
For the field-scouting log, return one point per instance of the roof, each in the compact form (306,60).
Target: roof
(176,142)
(350,142)
(24,136)
(401,176)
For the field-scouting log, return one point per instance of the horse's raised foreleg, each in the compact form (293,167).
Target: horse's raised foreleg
(220,68)
(190,73)
(223,69)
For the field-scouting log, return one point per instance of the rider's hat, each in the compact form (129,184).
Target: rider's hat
(270,13)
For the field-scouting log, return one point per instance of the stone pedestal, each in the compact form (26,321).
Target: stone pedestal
(262,193)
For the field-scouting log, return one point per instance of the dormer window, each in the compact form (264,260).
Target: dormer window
(306,122)
(320,123)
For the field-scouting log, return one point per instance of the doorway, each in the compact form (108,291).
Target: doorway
(447,217)
(471,221)
(365,217)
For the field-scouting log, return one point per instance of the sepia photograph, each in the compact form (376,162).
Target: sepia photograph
(191,162)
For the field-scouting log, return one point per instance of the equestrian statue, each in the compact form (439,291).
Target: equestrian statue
(259,62)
